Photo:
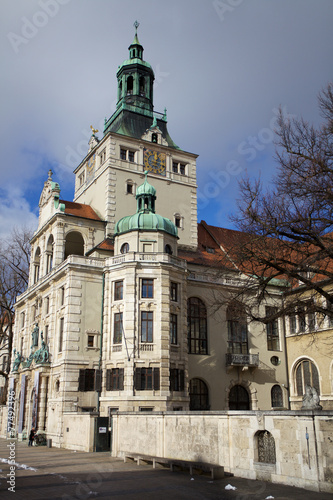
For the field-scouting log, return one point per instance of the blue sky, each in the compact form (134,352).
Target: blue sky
(222,69)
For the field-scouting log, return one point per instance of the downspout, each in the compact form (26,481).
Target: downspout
(286,355)
(101,346)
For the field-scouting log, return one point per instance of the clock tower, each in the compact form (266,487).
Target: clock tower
(136,139)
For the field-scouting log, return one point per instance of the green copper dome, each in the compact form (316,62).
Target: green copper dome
(145,218)
(145,189)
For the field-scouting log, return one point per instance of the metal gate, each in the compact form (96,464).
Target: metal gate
(102,434)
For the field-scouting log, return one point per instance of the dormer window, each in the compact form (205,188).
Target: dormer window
(154,138)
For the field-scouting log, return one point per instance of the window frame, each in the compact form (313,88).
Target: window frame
(197,332)
(173,329)
(147,288)
(117,328)
(147,327)
(118,290)
(272,330)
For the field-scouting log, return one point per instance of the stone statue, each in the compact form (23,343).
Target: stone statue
(42,355)
(17,360)
(311,399)
(35,334)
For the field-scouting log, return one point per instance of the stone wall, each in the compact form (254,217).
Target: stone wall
(302,440)
(78,431)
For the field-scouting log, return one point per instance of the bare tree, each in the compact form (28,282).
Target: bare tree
(290,224)
(14,275)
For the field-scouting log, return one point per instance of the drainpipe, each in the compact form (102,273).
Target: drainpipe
(101,346)
(286,354)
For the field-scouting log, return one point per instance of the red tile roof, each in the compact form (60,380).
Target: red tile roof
(80,210)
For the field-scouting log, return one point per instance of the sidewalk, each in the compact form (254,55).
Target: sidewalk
(53,473)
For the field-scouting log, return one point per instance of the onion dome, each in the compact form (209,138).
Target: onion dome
(145,218)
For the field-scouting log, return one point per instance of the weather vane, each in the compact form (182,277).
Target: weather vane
(94,130)
(136,25)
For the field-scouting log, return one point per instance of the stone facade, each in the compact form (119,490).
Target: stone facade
(141,318)
(284,447)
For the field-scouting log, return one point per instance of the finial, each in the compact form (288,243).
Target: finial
(136,25)
(146,175)
(50,175)
(94,130)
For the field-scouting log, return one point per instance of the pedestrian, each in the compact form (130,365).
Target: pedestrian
(31,437)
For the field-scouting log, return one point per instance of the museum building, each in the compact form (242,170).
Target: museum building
(126,307)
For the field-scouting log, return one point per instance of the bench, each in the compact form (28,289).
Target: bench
(216,471)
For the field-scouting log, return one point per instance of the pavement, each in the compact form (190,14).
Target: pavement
(52,473)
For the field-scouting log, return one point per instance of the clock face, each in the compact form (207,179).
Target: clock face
(154,161)
(91,164)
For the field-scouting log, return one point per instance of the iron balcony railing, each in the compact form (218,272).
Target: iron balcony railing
(242,359)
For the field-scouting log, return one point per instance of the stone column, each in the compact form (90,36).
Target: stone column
(42,404)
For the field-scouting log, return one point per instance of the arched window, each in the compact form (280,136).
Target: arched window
(74,244)
(276,397)
(142,85)
(306,374)
(36,265)
(199,399)
(196,326)
(265,447)
(49,254)
(124,248)
(239,398)
(154,138)
(168,249)
(237,329)
(129,89)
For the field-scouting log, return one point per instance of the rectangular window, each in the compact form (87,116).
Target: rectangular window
(292,323)
(118,290)
(237,337)
(102,156)
(146,326)
(177,221)
(90,342)
(147,289)
(301,319)
(61,334)
(90,380)
(175,167)
(177,379)
(118,328)
(272,330)
(182,169)
(123,154)
(47,305)
(62,295)
(131,156)
(22,319)
(46,334)
(147,379)
(115,379)
(129,188)
(81,179)
(173,329)
(174,291)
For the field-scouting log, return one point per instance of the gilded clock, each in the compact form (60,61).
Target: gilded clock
(91,164)
(154,161)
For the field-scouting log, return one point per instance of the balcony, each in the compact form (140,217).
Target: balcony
(244,360)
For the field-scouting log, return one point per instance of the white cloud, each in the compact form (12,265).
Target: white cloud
(15,212)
